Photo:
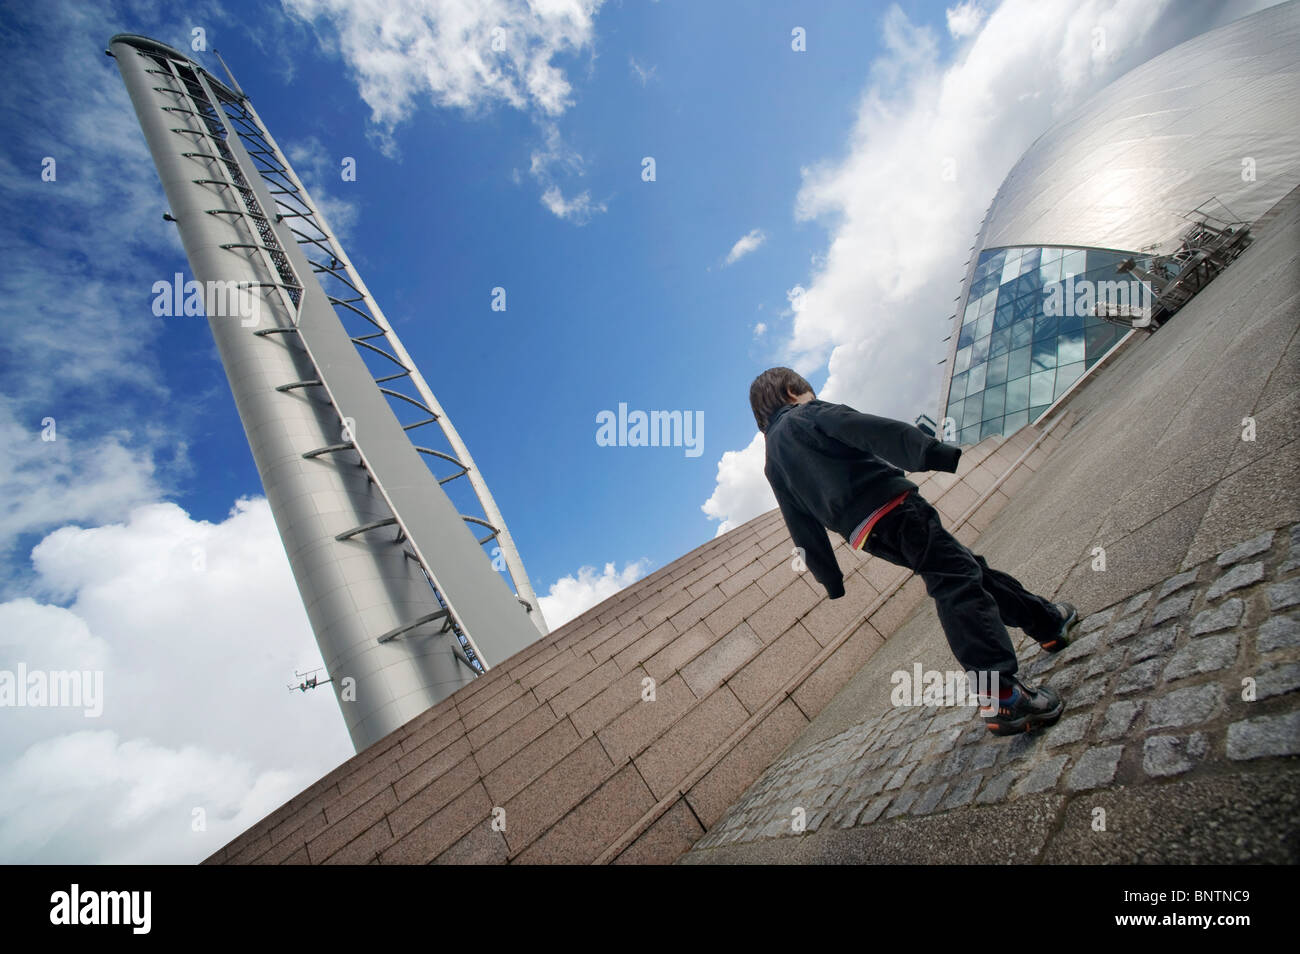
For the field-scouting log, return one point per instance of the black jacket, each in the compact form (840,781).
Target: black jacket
(831,466)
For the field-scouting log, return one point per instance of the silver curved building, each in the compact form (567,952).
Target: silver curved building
(1212,124)
(357,458)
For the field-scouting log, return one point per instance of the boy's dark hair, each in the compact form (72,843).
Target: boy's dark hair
(770,391)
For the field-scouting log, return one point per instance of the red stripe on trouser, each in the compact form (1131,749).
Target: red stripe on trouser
(875,516)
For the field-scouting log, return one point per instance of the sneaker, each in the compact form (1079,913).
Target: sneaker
(1070,620)
(1026,710)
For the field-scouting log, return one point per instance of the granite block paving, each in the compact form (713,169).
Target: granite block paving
(1195,673)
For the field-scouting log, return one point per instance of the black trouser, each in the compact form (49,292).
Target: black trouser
(976,603)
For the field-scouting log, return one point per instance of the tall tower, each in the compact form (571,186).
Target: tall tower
(353,450)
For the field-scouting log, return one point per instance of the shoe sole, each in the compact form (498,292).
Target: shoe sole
(1062,641)
(1026,723)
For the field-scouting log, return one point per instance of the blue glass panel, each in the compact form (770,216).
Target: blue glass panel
(1029,259)
(1099,260)
(1073,262)
(979,351)
(989,428)
(1027,306)
(958,389)
(972,410)
(987,301)
(1010,267)
(1044,353)
(954,412)
(1050,271)
(1052,254)
(1065,376)
(1071,323)
(1014,422)
(1029,283)
(993,260)
(1017,361)
(1000,342)
(965,336)
(970,435)
(994,400)
(1045,326)
(1018,394)
(1022,332)
(972,309)
(962,361)
(975,382)
(1040,387)
(997,370)
(1100,338)
(1069,348)
(1003,313)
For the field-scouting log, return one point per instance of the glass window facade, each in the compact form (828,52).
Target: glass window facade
(1023,341)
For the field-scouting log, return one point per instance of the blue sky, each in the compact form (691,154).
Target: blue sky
(526,177)
(633,306)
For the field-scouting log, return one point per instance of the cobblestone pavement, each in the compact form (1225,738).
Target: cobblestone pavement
(1193,678)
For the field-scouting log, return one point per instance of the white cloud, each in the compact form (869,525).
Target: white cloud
(760,329)
(467,56)
(551,160)
(197,628)
(460,55)
(964,19)
(578,209)
(876,304)
(91,797)
(643,75)
(84,475)
(745,244)
(571,595)
(742,492)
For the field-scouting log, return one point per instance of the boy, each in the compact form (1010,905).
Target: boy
(833,468)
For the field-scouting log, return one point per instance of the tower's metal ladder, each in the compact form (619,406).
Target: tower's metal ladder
(355,301)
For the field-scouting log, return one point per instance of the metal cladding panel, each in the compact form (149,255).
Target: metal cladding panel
(1122,170)
(476,593)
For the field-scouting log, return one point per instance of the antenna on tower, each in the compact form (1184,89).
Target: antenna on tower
(310,682)
(234,83)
